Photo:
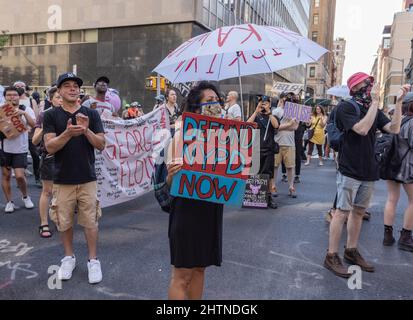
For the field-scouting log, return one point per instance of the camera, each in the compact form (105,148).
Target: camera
(263,98)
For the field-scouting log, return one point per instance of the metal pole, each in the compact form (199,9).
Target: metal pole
(240,86)
(158,85)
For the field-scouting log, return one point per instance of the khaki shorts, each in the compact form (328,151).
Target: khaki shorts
(286,155)
(65,200)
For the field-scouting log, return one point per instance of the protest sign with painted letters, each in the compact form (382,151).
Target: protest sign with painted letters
(280,87)
(124,169)
(297,111)
(10,124)
(217,157)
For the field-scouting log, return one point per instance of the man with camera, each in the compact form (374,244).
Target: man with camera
(286,140)
(267,124)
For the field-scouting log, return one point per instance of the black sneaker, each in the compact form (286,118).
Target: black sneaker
(297,180)
(284,179)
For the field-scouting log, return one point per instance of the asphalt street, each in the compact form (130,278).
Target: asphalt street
(268,254)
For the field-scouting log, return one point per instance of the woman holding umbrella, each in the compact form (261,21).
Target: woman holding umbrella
(195,227)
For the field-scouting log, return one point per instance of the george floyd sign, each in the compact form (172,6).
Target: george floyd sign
(10,124)
(280,87)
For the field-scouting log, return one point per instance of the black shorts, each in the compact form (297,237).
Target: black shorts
(46,167)
(14,161)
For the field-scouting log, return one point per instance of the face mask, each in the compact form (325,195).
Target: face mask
(364,95)
(20,91)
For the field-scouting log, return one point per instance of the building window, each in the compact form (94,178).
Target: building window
(314,36)
(316,3)
(41,38)
(91,36)
(76,36)
(315,19)
(28,39)
(16,40)
(62,37)
(53,73)
(312,72)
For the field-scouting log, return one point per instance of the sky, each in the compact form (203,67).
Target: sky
(361,23)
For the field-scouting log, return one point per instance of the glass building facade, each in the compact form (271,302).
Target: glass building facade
(128,54)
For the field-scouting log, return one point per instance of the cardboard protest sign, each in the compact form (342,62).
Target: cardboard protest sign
(297,111)
(280,87)
(217,159)
(256,192)
(12,126)
(124,169)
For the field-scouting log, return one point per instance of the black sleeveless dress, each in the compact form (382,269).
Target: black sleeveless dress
(195,233)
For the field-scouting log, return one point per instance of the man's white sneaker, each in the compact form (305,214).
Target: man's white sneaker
(66,268)
(95,271)
(10,207)
(28,203)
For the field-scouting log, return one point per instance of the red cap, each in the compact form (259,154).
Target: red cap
(358,78)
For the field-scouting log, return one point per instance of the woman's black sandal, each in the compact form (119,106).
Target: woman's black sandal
(45,229)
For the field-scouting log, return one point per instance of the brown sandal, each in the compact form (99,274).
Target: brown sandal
(45,230)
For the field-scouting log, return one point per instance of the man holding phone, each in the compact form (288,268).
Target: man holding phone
(267,124)
(72,133)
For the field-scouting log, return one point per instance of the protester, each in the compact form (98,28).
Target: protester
(70,131)
(286,140)
(359,120)
(125,113)
(172,107)
(232,109)
(195,239)
(403,178)
(32,104)
(14,152)
(318,124)
(46,166)
(267,124)
(135,110)
(99,102)
(160,101)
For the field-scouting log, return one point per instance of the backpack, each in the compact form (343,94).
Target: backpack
(161,188)
(387,154)
(334,134)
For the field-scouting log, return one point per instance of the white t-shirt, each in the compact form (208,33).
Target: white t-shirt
(26,103)
(284,138)
(234,112)
(101,106)
(20,144)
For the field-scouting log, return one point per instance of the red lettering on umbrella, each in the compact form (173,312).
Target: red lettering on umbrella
(202,39)
(179,66)
(191,63)
(223,37)
(263,54)
(212,64)
(276,53)
(241,54)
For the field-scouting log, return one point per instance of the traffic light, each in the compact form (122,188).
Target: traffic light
(151,83)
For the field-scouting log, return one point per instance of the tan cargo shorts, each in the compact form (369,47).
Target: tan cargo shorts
(286,155)
(66,198)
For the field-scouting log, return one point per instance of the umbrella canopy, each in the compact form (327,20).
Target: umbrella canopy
(241,50)
(339,91)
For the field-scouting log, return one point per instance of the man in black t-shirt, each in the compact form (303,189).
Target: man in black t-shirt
(359,120)
(267,124)
(72,133)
